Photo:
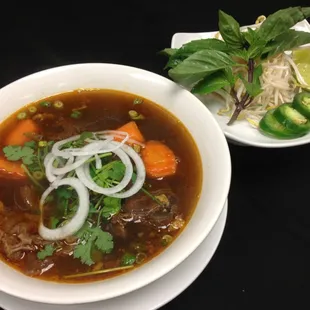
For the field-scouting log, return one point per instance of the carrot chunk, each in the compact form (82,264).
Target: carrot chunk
(11,168)
(133,131)
(17,135)
(159,159)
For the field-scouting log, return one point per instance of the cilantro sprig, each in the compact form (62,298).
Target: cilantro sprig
(90,238)
(15,153)
(47,251)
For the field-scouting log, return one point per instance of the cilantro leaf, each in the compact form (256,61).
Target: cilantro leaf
(35,165)
(54,222)
(81,140)
(103,175)
(83,252)
(117,171)
(111,206)
(112,171)
(92,209)
(91,237)
(12,152)
(15,153)
(32,144)
(86,135)
(47,251)
(103,241)
(63,193)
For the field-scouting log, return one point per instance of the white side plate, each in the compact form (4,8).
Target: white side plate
(240,132)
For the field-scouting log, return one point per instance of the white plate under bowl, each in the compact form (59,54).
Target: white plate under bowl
(150,297)
(240,133)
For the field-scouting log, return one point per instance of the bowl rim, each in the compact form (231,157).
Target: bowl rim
(225,185)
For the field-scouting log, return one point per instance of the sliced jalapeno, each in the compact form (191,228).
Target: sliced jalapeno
(301,103)
(292,119)
(270,126)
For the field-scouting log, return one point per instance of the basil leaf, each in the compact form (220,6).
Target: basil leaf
(241,53)
(256,49)
(230,76)
(194,46)
(230,30)
(199,65)
(253,88)
(281,21)
(211,83)
(250,35)
(256,43)
(258,71)
(287,41)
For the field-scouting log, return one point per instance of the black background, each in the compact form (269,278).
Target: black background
(263,260)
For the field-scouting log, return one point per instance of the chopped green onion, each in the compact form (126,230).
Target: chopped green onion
(45,104)
(135,115)
(58,104)
(140,258)
(128,259)
(38,175)
(76,114)
(42,143)
(166,239)
(21,115)
(32,109)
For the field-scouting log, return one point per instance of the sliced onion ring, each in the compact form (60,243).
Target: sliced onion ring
(50,169)
(62,153)
(83,174)
(141,174)
(95,146)
(73,225)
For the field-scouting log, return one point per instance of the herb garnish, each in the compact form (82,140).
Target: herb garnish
(208,65)
(15,153)
(92,237)
(47,251)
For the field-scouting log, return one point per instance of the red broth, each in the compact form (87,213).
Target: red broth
(144,224)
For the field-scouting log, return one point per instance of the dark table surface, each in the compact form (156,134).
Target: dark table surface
(262,261)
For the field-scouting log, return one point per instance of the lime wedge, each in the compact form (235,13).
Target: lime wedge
(301,57)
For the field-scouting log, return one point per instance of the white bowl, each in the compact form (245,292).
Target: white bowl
(240,132)
(204,129)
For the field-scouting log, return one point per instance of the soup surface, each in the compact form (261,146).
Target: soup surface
(94,224)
